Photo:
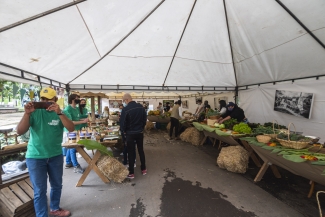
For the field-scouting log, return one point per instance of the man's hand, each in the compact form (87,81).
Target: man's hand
(85,120)
(54,107)
(29,108)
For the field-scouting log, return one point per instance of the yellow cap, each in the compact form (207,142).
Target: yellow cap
(48,93)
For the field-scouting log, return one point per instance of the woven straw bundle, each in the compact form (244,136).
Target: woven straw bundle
(112,168)
(168,126)
(192,135)
(149,126)
(234,159)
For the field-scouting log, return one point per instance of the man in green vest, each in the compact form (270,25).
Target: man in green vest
(44,154)
(73,113)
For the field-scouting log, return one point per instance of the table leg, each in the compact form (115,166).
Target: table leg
(261,172)
(91,166)
(214,142)
(312,187)
(205,137)
(251,153)
(275,171)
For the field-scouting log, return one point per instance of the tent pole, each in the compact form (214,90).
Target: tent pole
(232,55)
(300,23)
(40,15)
(179,42)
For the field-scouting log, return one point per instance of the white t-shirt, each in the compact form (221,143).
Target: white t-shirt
(223,111)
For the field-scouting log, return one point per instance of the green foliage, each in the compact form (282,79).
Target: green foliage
(276,126)
(230,123)
(263,130)
(294,137)
(212,113)
(91,145)
(242,128)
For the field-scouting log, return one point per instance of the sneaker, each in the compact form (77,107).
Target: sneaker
(60,213)
(130,176)
(78,169)
(67,166)
(144,172)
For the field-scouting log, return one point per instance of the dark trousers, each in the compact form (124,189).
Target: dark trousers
(130,138)
(174,123)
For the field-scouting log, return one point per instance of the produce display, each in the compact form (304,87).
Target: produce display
(294,137)
(212,113)
(154,112)
(242,128)
(115,113)
(263,130)
(276,126)
(230,123)
(220,126)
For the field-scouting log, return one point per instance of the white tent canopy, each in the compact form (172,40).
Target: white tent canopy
(100,44)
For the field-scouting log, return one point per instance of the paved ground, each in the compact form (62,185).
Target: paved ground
(10,118)
(182,180)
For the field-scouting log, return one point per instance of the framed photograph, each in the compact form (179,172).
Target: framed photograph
(294,103)
(185,104)
(114,103)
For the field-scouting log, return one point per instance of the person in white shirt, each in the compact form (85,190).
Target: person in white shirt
(222,107)
(199,109)
(160,108)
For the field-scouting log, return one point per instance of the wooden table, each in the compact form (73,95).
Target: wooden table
(231,140)
(91,161)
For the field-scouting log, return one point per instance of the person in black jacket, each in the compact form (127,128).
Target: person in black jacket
(132,122)
(233,111)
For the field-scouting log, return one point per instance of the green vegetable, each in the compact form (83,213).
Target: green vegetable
(91,145)
(294,137)
(212,113)
(222,126)
(242,128)
(230,123)
(276,126)
(263,130)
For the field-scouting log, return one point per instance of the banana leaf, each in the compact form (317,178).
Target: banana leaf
(198,126)
(91,145)
(320,163)
(207,128)
(269,147)
(294,158)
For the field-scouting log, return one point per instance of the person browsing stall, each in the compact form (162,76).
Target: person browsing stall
(222,107)
(174,120)
(233,111)
(83,111)
(73,113)
(200,108)
(44,157)
(132,122)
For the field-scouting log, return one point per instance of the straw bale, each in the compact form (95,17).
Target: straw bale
(149,126)
(112,168)
(192,135)
(234,159)
(168,126)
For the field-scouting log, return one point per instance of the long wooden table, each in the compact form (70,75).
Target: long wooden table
(90,161)
(304,169)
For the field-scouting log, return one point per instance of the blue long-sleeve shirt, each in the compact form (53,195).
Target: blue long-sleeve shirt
(133,118)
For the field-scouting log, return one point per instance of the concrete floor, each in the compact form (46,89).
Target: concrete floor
(182,180)
(10,118)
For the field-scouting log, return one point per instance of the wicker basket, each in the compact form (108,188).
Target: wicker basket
(274,135)
(263,138)
(292,144)
(214,117)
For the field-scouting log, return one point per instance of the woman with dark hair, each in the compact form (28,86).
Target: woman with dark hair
(83,111)
(222,107)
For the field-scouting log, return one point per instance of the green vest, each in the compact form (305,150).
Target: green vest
(46,131)
(73,114)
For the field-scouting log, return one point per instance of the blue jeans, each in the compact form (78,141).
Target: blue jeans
(71,157)
(38,171)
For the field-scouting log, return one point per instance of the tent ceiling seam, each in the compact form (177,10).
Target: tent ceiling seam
(271,48)
(300,23)
(179,42)
(168,57)
(13,25)
(229,37)
(125,37)
(88,30)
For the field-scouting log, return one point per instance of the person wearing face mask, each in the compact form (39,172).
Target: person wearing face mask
(73,113)
(233,111)
(83,111)
(132,122)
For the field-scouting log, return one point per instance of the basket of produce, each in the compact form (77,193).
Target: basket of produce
(263,138)
(274,134)
(213,115)
(242,128)
(292,140)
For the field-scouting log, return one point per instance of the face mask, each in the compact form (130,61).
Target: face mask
(120,110)
(230,109)
(77,101)
(124,104)
(82,105)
